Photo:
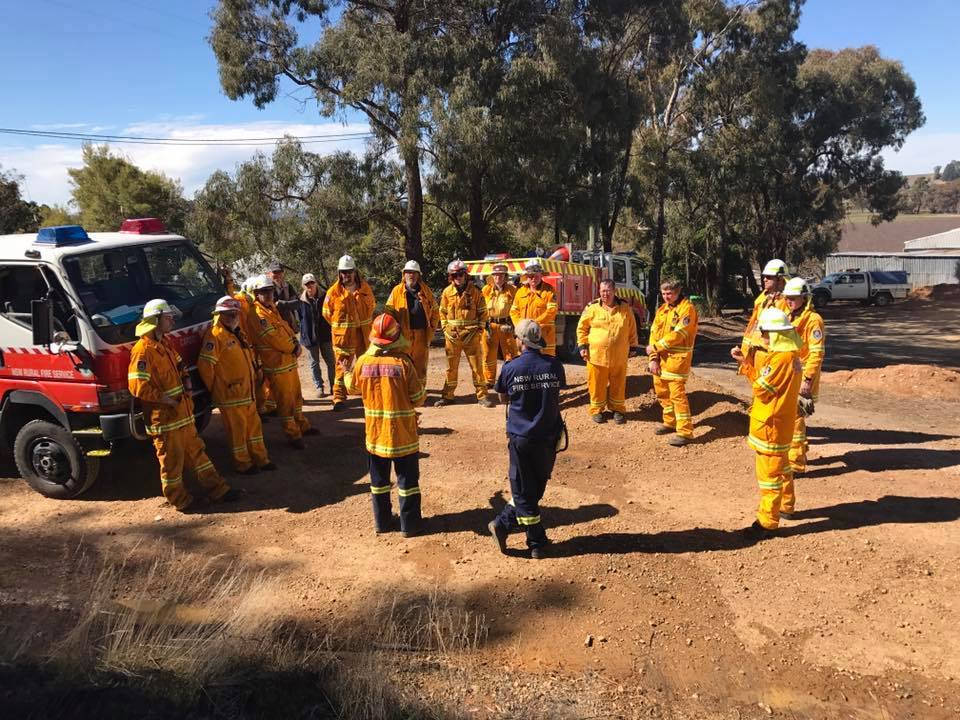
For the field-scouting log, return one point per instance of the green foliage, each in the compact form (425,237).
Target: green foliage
(109,188)
(16,214)
(52,215)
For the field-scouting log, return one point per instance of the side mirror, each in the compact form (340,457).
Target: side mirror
(41,317)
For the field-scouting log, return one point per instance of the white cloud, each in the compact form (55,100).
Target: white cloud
(923,151)
(44,167)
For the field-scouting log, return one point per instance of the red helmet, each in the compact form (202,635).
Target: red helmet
(385,330)
(227,304)
(456,266)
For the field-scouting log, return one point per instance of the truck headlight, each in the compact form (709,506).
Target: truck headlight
(108,398)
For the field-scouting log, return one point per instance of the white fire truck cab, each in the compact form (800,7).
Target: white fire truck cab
(69,303)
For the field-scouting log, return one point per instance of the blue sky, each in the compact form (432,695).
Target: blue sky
(143,67)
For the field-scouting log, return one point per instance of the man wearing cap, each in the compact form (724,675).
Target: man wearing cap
(348,307)
(606,337)
(776,388)
(670,352)
(225,365)
(773,277)
(315,333)
(463,316)
(251,330)
(810,328)
(279,349)
(284,296)
(416,308)
(498,295)
(536,301)
(158,377)
(531,384)
(389,384)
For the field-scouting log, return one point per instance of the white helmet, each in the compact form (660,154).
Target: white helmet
(533,266)
(796,287)
(261,282)
(412,266)
(346,263)
(456,266)
(498,268)
(774,320)
(775,268)
(155,308)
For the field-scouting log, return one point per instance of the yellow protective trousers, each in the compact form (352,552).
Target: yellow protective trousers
(472,349)
(265,401)
(799,445)
(420,351)
(608,386)
(502,340)
(672,395)
(285,387)
(339,386)
(183,449)
(773,473)
(243,427)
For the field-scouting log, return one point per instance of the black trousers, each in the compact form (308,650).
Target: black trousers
(531,464)
(408,488)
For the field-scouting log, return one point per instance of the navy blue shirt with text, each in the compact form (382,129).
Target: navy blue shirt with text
(533,382)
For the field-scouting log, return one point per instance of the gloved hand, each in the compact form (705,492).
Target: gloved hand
(805,406)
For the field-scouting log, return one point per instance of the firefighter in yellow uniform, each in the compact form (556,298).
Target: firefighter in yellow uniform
(672,337)
(251,330)
(776,388)
(348,307)
(810,328)
(498,295)
(414,305)
(226,366)
(158,378)
(279,349)
(537,301)
(773,277)
(384,376)
(606,337)
(463,318)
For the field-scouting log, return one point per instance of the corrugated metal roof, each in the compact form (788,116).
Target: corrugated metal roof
(949,240)
(925,268)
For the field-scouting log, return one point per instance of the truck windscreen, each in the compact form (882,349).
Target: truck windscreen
(115,284)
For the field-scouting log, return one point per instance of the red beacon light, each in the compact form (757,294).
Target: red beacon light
(143,226)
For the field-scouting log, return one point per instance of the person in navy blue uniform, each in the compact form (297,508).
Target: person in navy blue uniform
(531,384)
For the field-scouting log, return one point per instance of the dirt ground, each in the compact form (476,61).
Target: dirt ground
(852,612)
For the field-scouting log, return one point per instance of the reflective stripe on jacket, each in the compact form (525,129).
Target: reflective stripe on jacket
(811,330)
(539,305)
(776,387)
(673,335)
(276,342)
(225,365)
(156,371)
(349,313)
(608,334)
(462,313)
(391,389)
(398,303)
(751,334)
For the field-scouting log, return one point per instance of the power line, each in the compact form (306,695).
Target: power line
(184,142)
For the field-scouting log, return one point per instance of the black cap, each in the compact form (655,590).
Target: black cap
(275,266)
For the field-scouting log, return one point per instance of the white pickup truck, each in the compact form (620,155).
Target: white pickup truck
(879,288)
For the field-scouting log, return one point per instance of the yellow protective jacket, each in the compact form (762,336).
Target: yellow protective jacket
(810,328)
(398,303)
(673,335)
(276,342)
(248,316)
(499,302)
(462,314)
(349,313)
(225,365)
(388,383)
(776,387)
(156,371)
(539,305)
(609,335)
(751,335)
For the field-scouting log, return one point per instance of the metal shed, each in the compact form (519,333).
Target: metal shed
(925,267)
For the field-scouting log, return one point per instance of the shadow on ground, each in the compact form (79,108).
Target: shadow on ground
(882,460)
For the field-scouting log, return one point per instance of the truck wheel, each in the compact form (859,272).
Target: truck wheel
(883,299)
(568,351)
(820,299)
(52,462)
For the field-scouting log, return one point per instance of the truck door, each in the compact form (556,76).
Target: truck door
(843,288)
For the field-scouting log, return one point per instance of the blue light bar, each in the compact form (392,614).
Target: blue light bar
(62,235)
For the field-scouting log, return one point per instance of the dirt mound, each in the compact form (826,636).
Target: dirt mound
(915,381)
(936,292)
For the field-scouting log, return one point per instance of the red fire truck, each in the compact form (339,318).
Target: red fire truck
(576,283)
(69,303)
